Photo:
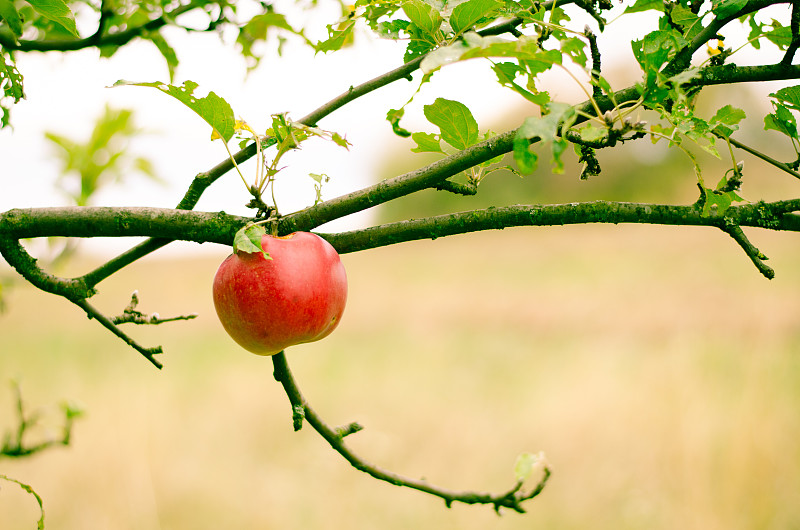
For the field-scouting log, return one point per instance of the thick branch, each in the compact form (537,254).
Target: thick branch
(764,215)
(512,499)
(100,221)
(205,227)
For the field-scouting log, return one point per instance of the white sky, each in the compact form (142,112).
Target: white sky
(67,92)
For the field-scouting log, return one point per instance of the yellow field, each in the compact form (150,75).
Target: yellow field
(655,367)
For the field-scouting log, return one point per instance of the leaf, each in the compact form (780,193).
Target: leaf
(10,78)
(546,127)
(58,12)
(591,133)
(524,466)
(423,16)
(467,14)
(11,17)
(655,49)
(455,121)
(782,120)
(727,8)
(525,158)
(645,5)
(337,39)
(790,96)
(167,52)
(688,21)
(212,108)
(726,120)
(526,49)
(426,143)
(393,117)
(780,36)
(248,239)
(718,202)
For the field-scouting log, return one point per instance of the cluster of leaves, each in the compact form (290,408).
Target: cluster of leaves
(443,33)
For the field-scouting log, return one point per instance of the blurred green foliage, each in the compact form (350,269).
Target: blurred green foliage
(100,160)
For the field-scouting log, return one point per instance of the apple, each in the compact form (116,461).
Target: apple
(291,293)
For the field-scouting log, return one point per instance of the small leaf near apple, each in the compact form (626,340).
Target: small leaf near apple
(294,295)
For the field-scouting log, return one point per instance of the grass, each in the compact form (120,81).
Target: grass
(654,366)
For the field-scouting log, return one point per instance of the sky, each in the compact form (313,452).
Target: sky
(67,92)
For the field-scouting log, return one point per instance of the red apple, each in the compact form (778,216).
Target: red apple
(296,295)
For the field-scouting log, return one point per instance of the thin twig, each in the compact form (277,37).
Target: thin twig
(511,499)
(766,158)
(148,353)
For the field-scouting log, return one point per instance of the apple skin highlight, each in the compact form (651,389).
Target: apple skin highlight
(298,296)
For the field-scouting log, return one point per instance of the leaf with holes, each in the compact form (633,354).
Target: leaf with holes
(212,108)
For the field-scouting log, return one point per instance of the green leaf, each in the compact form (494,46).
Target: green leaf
(591,133)
(423,16)
(727,8)
(393,117)
(782,120)
(525,158)
(524,466)
(248,239)
(212,108)
(58,12)
(645,5)
(167,52)
(337,37)
(780,36)
(467,14)
(257,29)
(455,121)
(655,49)
(789,96)
(11,17)
(546,128)
(718,202)
(687,20)
(727,119)
(10,78)
(426,143)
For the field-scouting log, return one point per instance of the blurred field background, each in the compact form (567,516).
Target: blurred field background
(655,367)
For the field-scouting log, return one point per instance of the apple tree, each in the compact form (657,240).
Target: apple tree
(690,46)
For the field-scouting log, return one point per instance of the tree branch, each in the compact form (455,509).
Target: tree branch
(97,39)
(512,499)
(683,58)
(147,353)
(752,252)
(773,216)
